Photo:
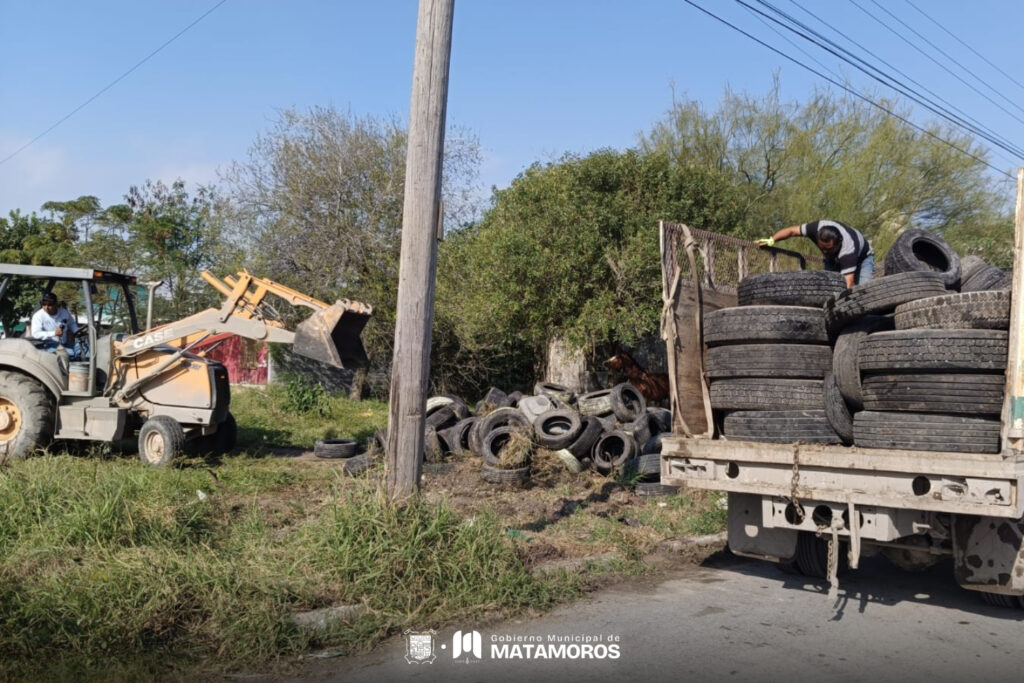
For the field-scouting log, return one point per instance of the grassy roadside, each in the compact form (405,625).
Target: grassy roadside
(115,570)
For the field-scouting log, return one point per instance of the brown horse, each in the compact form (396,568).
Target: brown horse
(652,385)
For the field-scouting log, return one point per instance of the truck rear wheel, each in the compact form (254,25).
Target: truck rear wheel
(161,440)
(26,416)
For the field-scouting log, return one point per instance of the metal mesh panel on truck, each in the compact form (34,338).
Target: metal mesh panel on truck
(700,272)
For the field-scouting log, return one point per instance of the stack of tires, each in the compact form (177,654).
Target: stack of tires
(768,357)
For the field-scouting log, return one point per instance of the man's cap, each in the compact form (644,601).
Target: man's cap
(48,298)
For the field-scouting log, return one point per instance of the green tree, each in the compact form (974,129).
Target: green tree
(841,158)
(570,249)
(318,204)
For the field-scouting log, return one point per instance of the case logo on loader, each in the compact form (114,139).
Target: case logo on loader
(154,338)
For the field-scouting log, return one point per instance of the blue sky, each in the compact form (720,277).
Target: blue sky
(531,79)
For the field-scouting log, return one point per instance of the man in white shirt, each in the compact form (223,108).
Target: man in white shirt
(55,327)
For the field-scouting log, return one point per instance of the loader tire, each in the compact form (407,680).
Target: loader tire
(27,414)
(880,296)
(934,351)
(919,250)
(777,324)
(837,412)
(161,440)
(791,288)
(844,356)
(988,310)
(934,393)
(926,432)
(767,393)
(779,426)
(807,361)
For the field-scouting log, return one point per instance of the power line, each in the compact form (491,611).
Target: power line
(848,89)
(959,40)
(111,84)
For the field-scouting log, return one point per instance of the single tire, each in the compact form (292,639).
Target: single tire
(988,310)
(934,393)
(584,442)
(776,324)
(355,465)
(161,440)
(650,489)
(880,296)
(612,450)
(926,432)
(661,419)
(597,403)
(810,288)
(569,460)
(934,351)
(496,441)
(563,394)
(27,416)
(844,356)
(442,418)
(649,464)
(458,436)
(987,278)
(496,398)
(1000,600)
(502,417)
(641,428)
(557,429)
(627,403)
(921,250)
(969,265)
(807,361)
(494,475)
(434,446)
(837,412)
(653,445)
(767,393)
(779,426)
(811,556)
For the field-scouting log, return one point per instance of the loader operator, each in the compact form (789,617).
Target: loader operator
(846,250)
(51,325)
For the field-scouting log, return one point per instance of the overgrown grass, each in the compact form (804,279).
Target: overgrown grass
(267,416)
(105,562)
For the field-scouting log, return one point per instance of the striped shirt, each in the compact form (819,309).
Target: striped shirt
(853,249)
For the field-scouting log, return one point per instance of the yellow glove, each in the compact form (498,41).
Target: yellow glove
(766,242)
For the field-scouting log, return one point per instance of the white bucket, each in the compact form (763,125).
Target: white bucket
(78,377)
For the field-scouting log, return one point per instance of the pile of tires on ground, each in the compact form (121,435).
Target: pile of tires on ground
(611,431)
(911,360)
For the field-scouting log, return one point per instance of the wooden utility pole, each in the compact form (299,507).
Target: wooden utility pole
(410,367)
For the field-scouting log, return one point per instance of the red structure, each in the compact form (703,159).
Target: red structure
(246,360)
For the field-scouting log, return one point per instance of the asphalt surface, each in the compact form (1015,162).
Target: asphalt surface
(738,620)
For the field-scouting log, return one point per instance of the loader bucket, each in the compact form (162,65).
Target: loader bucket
(332,335)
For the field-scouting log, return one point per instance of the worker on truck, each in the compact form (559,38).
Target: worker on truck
(846,250)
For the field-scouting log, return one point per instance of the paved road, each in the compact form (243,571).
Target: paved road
(742,620)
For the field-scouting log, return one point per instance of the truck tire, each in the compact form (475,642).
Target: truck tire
(920,250)
(880,296)
(791,288)
(597,403)
(778,324)
(767,393)
(989,310)
(988,278)
(161,440)
(837,412)
(926,432)
(27,415)
(844,356)
(934,393)
(556,429)
(779,426)
(627,403)
(811,556)
(934,351)
(807,361)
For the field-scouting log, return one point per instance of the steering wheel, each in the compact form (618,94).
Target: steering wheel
(82,331)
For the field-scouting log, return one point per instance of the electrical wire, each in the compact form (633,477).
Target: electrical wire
(110,85)
(847,89)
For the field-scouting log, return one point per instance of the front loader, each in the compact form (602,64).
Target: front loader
(149,383)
